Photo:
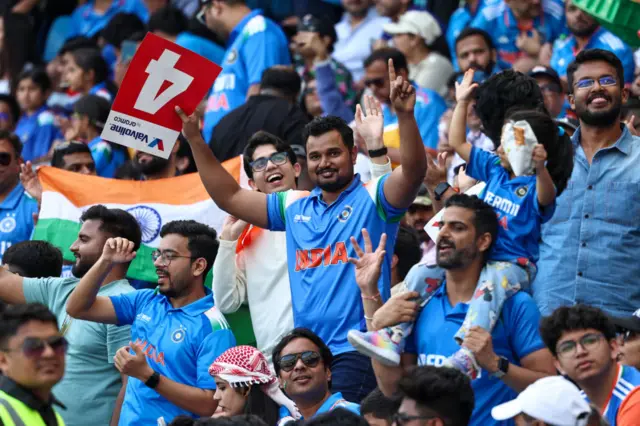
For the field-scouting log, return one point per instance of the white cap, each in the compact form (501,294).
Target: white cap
(553,400)
(422,24)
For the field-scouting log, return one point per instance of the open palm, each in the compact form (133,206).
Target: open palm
(369,263)
(370,122)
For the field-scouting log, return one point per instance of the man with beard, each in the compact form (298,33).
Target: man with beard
(91,383)
(589,250)
(511,357)
(320,224)
(474,48)
(586,33)
(176,331)
(152,167)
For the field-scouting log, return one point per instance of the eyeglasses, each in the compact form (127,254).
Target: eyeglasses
(200,16)
(166,257)
(34,347)
(5,158)
(588,341)
(587,83)
(277,158)
(378,82)
(400,419)
(289,361)
(628,335)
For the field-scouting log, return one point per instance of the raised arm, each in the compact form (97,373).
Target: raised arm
(544,184)
(11,290)
(244,204)
(458,130)
(370,128)
(401,187)
(229,277)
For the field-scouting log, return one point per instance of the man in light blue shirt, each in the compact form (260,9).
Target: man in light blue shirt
(590,248)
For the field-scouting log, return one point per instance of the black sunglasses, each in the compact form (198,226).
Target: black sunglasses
(400,419)
(34,347)
(289,361)
(378,82)
(5,158)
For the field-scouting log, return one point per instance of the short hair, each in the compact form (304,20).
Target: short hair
(13,105)
(115,222)
(337,417)
(57,160)
(89,59)
(445,392)
(202,240)
(120,27)
(591,55)
(79,42)
(39,77)
(284,79)
(15,316)
(321,125)
(34,259)
(136,37)
(261,138)
(302,333)
(407,249)
(15,141)
(182,420)
(484,217)
(386,53)
(380,406)
(470,32)
(573,318)
(241,420)
(169,20)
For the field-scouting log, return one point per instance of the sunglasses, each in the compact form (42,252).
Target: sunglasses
(588,341)
(377,82)
(605,81)
(277,158)
(5,158)
(400,419)
(289,361)
(34,347)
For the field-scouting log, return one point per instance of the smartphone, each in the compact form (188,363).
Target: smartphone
(128,50)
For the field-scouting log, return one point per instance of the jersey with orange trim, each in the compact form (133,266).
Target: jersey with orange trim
(626,385)
(325,296)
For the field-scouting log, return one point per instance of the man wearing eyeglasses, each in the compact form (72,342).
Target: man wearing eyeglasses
(583,341)
(176,330)
(32,360)
(589,249)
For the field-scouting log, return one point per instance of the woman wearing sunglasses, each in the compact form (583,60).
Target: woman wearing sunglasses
(246,385)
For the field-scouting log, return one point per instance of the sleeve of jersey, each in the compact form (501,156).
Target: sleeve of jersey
(545,212)
(126,305)
(261,50)
(386,211)
(629,411)
(117,337)
(523,320)
(276,207)
(211,347)
(481,22)
(40,290)
(482,164)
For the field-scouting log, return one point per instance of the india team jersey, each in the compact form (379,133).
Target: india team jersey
(324,293)
(334,401)
(626,387)
(16,218)
(37,133)
(516,203)
(254,45)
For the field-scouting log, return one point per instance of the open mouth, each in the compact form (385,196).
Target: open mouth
(162,275)
(445,247)
(302,379)
(327,173)
(275,178)
(598,100)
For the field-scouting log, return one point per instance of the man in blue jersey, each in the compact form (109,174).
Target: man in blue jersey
(89,18)
(176,331)
(583,341)
(586,33)
(511,357)
(320,224)
(254,43)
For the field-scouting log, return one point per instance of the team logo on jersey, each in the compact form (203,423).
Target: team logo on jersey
(345,214)
(8,224)
(522,191)
(232,56)
(178,335)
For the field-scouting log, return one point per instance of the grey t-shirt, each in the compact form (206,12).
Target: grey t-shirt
(91,381)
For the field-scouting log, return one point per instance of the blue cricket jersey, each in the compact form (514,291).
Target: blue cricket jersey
(460,20)
(498,20)
(516,203)
(16,218)
(37,133)
(514,336)
(334,401)
(86,22)
(565,51)
(179,344)
(627,382)
(106,157)
(324,293)
(202,46)
(255,44)
(100,89)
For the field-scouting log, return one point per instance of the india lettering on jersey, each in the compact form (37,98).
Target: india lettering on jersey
(150,351)
(502,204)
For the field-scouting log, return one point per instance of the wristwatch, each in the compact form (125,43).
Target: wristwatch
(441,188)
(153,381)
(503,368)
(373,153)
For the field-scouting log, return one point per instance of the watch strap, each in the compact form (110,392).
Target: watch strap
(373,153)
(503,368)
(153,381)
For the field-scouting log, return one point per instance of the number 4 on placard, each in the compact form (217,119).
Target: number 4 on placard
(161,70)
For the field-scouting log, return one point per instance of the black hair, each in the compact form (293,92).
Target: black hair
(184,151)
(15,316)
(38,76)
(261,138)
(202,240)
(556,142)
(15,141)
(19,48)
(260,404)
(591,55)
(484,217)
(170,20)
(499,94)
(574,318)
(91,59)
(136,37)
(407,249)
(115,222)
(13,105)
(338,417)
(34,259)
(302,333)
(386,53)
(182,420)
(69,148)
(380,406)
(470,32)
(322,125)
(243,420)
(445,392)
(120,27)
(283,79)
(75,43)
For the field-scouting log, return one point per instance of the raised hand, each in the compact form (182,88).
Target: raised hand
(403,94)
(30,181)
(190,124)
(133,365)
(232,228)
(436,170)
(539,156)
(118,250)
(371,125)
(369,263)
(466,89)
(529,44)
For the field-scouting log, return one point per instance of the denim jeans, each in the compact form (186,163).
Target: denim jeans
(352,375)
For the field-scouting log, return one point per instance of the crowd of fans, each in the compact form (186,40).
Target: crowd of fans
(380,291)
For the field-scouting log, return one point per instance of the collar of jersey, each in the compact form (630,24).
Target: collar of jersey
(622,144)
(193,309)
(317,192)
(240,26)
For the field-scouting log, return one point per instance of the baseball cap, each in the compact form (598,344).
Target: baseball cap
(321,26)
(95,107)
(628,323)
(416,22)
(423,197)
(547,72)
(553,400)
